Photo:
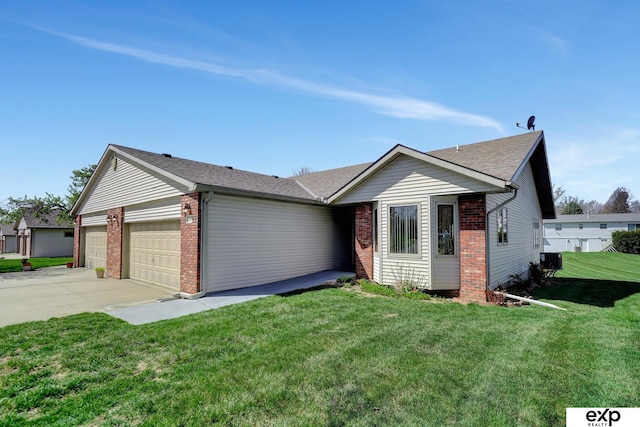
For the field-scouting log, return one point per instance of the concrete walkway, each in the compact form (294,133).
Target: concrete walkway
(60,291)
(147,313)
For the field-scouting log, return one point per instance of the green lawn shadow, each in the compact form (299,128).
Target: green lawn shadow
(599,293)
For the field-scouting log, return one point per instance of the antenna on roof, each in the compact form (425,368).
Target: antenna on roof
(530,124)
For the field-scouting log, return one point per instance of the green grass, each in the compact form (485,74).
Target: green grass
(328,357)
(12,265)
(595,278)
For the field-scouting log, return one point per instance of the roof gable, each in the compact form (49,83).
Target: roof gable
(497,163)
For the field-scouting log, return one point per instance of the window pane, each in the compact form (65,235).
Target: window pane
(502,226)
(446,244)
(375,230)
(403,229)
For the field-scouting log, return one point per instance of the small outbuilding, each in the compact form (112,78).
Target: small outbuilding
(48,236)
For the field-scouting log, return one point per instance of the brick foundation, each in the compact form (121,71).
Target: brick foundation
(190,233)
(76,241)
(115,233)
(364,241)
(473,272)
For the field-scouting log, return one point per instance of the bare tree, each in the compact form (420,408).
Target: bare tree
(302,171)
(618,201)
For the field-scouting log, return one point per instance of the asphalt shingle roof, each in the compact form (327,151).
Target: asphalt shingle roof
(325,183)
(600,217)
(48,221)
(499,158)
(221,176)
(7,230)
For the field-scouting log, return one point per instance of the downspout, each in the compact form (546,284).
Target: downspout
(487,236)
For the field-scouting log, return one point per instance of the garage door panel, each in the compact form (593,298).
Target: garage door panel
(95,248)
(154,253)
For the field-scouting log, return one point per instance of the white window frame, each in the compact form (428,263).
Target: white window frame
(536,233)
(390,225)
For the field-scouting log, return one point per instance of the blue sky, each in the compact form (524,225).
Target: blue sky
(273,86)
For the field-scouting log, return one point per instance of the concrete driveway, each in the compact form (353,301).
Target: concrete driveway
(60,291)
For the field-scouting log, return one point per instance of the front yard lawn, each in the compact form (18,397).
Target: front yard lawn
(12,265)
(327,357)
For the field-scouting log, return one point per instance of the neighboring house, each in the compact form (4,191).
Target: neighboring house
(460,220)
(7,238)
(43,237)
(586,233)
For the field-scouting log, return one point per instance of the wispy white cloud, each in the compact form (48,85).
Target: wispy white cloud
(389,105)
(591,166)
(555,42)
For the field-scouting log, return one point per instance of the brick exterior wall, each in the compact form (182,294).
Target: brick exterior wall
(364,241)
(76,241)
(473,271)
(115,234)
(190,243)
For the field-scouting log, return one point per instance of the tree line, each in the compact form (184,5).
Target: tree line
(14,208)
(620,201)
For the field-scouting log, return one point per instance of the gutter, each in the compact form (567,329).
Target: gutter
(487,239)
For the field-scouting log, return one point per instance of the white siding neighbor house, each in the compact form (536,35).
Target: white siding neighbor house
(459,220)
(586,233)
(44,237)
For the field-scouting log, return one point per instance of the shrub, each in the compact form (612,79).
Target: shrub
(626,241)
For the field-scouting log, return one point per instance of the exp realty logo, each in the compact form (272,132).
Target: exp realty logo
(603,417)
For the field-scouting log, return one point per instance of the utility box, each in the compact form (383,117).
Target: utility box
(551,260)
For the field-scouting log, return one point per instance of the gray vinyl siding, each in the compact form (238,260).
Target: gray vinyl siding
(9,244)
(514,257)
(129,184)
(153,211)
(51,243)
(404,181)
(253,241)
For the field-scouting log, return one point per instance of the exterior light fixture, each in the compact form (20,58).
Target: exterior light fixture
(187,209)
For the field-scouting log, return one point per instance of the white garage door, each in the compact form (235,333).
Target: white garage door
(95,246)
(154,253)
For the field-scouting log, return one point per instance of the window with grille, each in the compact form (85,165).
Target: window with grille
(403,229)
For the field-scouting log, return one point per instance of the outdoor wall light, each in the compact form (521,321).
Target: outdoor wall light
(187,209)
